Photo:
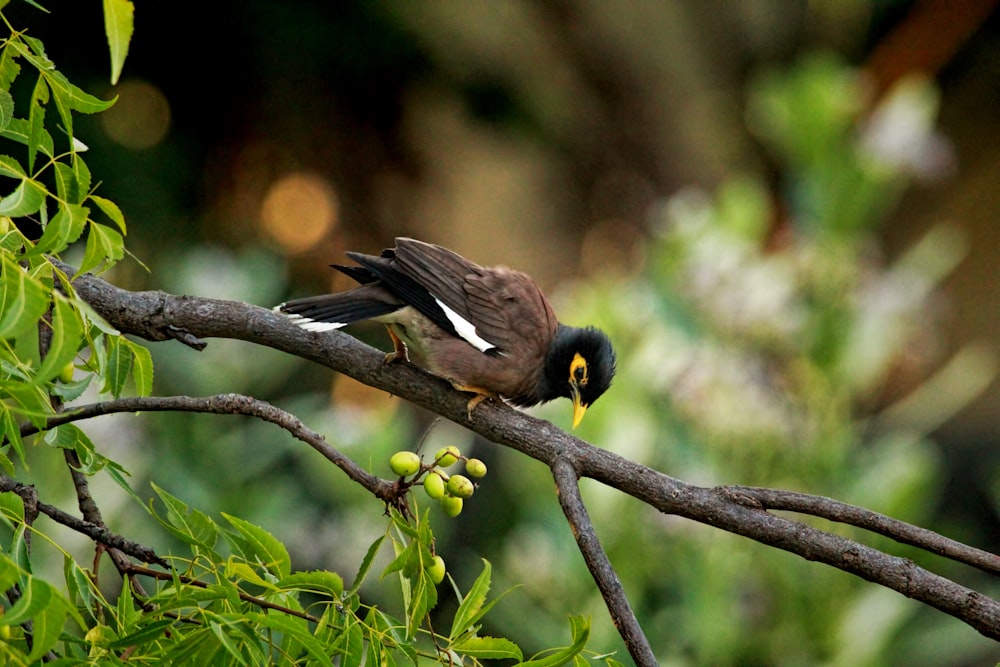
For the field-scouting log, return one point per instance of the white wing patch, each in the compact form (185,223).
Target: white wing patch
(311,325)
(465,329)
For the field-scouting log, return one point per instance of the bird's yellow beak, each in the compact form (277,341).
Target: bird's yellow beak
(579,408)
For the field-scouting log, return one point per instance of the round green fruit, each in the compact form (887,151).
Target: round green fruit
(436,570)
(475,468)
(404,463)
(460,486)
(447,456)
(434,485)
(452,506)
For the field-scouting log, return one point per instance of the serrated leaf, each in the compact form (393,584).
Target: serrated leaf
(35,596)
(147,633)
(6,108)
(12,434)
(82,172)
(488,648)
(26,199)
(105,246)
(69,98)
(580,628)
(110,209)
(11,167)
(36,119)
(258,544)
(12,506)
(67,189)
(292,627)
(190,525)
(18,130)
(366,564)
(9,69)
(25,300)
(47,626)
(472,604)
(319,581)
(118,365)
(67,334)
(118,24)
(142,369)
(62,230)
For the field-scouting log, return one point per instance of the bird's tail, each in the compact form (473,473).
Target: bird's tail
(333,311)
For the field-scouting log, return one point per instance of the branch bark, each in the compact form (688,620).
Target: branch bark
(161,316)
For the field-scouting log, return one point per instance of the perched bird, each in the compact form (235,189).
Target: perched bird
(487,330)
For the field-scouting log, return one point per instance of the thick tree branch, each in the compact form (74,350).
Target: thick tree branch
(158,316)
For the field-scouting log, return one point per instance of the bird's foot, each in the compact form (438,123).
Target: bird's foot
(399,351)
(480,396)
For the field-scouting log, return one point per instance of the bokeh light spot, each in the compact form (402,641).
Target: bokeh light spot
(141,116)
(299,210)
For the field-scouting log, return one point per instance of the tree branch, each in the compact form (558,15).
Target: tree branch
(158,316)
(599,565)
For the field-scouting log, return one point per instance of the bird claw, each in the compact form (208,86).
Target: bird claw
(480,396)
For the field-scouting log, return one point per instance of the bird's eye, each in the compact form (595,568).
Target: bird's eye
(578,370)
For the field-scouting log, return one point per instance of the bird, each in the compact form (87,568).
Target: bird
(489,331)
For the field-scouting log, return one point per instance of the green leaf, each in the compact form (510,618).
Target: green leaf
(82,172)
(580,627)
(35,596)
(258,544)
(9,69)
(190,525)
(142,368)
(6,108)
(70,98)
(119,365)
(118,19)
(25,300)
(12,506)
(11,431)
(67,334)
(11,167)
(36,119)
(105,246)
(472,604)
(19,130)
(110,209)
(366,564)
(67,187)
(319,581)
(144,635)
(61,230)
(26,199)
(47,626)
(489,648)
(290,627)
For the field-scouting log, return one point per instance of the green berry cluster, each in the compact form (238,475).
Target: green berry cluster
(449,490)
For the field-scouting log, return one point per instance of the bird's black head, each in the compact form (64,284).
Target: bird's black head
(580,366)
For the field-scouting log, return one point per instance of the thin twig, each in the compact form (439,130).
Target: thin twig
(599,565)
(227,404)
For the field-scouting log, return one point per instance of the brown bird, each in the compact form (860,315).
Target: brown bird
(487,330)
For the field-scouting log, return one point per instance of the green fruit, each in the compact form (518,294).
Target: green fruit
(404,463)
(475,468)
(436,570)
(460,486)
(452,506)
(66,374)
(434,485)
(447,456)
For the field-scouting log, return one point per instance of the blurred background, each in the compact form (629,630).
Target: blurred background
(783,212)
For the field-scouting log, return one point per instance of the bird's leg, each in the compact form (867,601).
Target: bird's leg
(480,395)
(399,352)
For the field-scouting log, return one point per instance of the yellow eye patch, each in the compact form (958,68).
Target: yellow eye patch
(578,370)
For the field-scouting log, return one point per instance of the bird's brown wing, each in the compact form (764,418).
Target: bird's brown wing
(504,306)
